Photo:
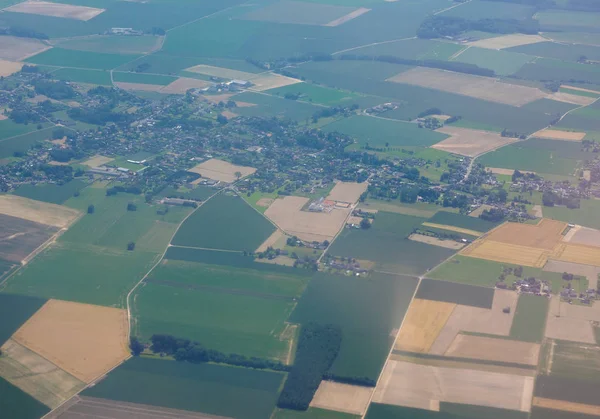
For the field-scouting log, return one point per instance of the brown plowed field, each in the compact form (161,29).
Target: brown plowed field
(422,325)
(342,397)
(19,237)
(39,212)
(492,349)
(565,406)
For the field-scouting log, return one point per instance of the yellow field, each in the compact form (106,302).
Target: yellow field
(566,406)
(507,253)
(422,325)
(587,255)
(452,228)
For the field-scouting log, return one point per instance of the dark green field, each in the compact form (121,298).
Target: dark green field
(530,318)
(59,57)
(451,292)
(540,413)
(212,389)
(447,411)
(14,311)
(142,78)
(52,193)
(15,403)
(462,221)
(275,106)
(386,243)
(559,51)
(575,361)
(385,133)
(562,388)
(19,139)
(81,75)
(350,303)
(312,413)
(225,222)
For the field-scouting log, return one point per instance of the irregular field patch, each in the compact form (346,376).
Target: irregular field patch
(47,8)
(434,241)
(544,235)
(18,49)
(97,160)
(453,228)
(470,142)
(342,397)
(586,236)
(492,349)
(182,85)
(347,191)
(565,406)
(571,323)
(506,253)
(19,237)
(97,337)
(479,87)
(573,99)
(507,41)
(39,212)
(8,68)
(422,324)
(221,170)
(554,134)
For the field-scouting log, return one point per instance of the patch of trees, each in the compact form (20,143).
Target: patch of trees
(190,351)
(333,111)
(136,346)
(22,32)
(91,209)
(62,155)
(60,174)
(318,347)
(443,65)
(492,214)
(455,201)
(512,134)
(131,206)
(54,89)
(550,199)
(131,246)
(453,119)
(358,381)
(24,116)
(449,26)
(30,69)
(132,189)
(430,111)
(98,116)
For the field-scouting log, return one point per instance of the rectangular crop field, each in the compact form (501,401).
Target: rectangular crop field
(462,221)
(316,94)
(59,10)
(221,170)
(504,63)
(507,41)
(484,88)
(296,12)
(312,413)
(212,389)
(447,411)
(36,211)
(378,132)
(494,349)
(59,57)
(470,142)
(52,193)
(366,327)
(225,222)
(530,318)
(567,389)
(544,235)
(82,75)
(588,214)
(19,237)
(451,292)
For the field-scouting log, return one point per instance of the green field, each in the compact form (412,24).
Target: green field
(112,44)
(578,92)
(200,193)
(15,403)
(227,320)
(574,360)
(503,62)
(50,192)
(81,75)
(225,222)
(312,413)
(541,413)
(211,389)
(377,132)
(530,318)
(10,129)
(418,209)
(271,106)
(447,411)
(567,20)
(452,292)
(550,69)
(473,271)
(462,221)
(366,327)
(413,49)
(14,311)
(386,243)
(25,138)
(59,57)
(479,9)
(142,78)
(559,51)
(587,215)
(86,274)
(314,93)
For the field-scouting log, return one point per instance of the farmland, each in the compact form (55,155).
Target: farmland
(208,388)
(54,194)
(15,310)
(530,319)
(18,404)
(455,293)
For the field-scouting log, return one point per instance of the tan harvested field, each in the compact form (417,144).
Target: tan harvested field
(555,134)
(424,387)
(564,323)
(264,202)
(182,85)
(566,86)
(266,81)
(470,142)
(453,228)
(422,324)
(537,211)
(590,272)
(585,235)
(507,41)
(492,349)
(97,160)
(342,397)
(278,260)
(37,376)
(220,98)
(478,320)
(229,114)
(347,191)
(352,15)
(564,406)
(93,408)
(271,241)
(571,98)
(46,8)
(140,87)
(311,226)
(577,253)
(508,172)
(374,207)
(506,253)
(224,73)
(19,49)
(221,170)
(40,212)
(544,235)
(8,68)
(484,88)
(97,337)
(434,241)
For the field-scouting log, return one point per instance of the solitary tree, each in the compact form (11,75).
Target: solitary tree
(136,346)
(131,207)
(91,209)
(365,223)
(130,246)
(238,175)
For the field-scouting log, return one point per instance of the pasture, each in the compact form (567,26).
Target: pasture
(378,132)
(225,222)
(316,94)
(451,292)
(58,57)
(503,62)
(574,360)
(312,413)
(367,328)
(386,243)
(559,51)
(413,49)
(300,13)
(482,10)
(588,214)
(82,75)
(51,193)
(550,69)
(470,142)
(156,79)
(111,44)
(207,388)
(15,403)
(530,318)
(462,221)
(228,320)
(274,106)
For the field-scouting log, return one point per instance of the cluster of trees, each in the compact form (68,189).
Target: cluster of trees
(131,206)
(333,111)
(24,115)
(550,199)
(187,350)
(512,134)
(318,347)
(132,189)
(58,90)
(98,116)
(443,65)
(449,26)
(492,214)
